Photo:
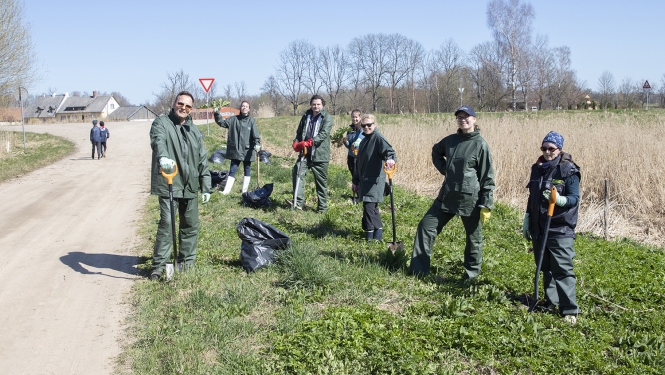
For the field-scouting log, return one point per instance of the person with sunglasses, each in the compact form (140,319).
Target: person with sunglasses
(369,177)
(464,159)
(555,168)
(242,141)
(175,141)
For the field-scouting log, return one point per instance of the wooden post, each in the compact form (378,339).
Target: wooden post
(607,199)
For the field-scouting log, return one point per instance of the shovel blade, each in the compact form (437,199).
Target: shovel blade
(396,246)
(169,271)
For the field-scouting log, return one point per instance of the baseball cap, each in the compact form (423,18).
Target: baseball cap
(468,110)
(94,122)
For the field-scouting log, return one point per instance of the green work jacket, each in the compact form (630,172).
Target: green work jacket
(370,177)
(243,136)
(320,151)
(466,163)
(184,145)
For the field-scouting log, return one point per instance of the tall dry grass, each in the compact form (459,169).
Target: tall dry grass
(623,147)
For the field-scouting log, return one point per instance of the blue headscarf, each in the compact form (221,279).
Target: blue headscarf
(554,137)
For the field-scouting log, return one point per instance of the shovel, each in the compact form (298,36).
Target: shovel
(550,212)
(170,268)
(258,171)
(355,168)
(295,192)
(393,246)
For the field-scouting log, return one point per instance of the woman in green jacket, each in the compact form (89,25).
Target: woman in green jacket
(242,141)
(369,178)
(464,159)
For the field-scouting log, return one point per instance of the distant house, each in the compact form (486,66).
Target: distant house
(133,113)
(65,108)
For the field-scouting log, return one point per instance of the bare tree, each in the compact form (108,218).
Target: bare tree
(334,68)
(447,63)
(241,91)
(121,99)
(511,27)
(17,56)
(606,87)
(270,87)
(485,67)
(415,57)
(370,56)
(291,71)
(628,93)
(396,67)
(544,67)
(175,83)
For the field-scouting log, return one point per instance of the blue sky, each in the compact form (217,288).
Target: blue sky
(130,46)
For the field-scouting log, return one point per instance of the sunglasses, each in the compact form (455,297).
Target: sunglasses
(187,106)
(460,118)
(367,125)
(550,149)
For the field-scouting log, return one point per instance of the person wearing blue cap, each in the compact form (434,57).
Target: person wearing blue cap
(555,168)
(464,159)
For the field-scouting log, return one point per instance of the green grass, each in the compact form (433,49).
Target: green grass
(41,150)
(332,304)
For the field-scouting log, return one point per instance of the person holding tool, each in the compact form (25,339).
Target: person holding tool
(351,141)
(464,159)
(243,140)
(177,143)
(369,179)
(555,168)
(312,141)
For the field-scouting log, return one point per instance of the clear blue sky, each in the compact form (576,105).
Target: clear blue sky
(129,46)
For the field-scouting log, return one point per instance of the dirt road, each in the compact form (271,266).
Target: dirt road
(67,233)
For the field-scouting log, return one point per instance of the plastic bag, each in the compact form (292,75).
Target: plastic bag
(218,178)
(264,155)
(218,157)
(259,197)
(259,242)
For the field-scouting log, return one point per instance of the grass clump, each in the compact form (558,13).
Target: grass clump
(41,150)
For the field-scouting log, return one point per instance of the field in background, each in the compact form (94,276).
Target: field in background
(622,147)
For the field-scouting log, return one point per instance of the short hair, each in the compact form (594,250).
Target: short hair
(248,104)
(317,97)
(370,117)
(356,111)
(101,123)
(184,92)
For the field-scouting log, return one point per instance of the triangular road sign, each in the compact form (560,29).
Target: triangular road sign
(206,83)
(646,85)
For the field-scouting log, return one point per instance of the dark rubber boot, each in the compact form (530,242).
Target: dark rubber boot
(378,235)
(369,236)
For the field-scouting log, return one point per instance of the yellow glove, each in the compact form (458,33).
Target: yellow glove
(485,214)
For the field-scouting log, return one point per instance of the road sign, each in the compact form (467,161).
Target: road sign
(206,83)
(646,85)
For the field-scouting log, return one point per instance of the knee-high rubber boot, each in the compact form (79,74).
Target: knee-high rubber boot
(245,183)
(229,185)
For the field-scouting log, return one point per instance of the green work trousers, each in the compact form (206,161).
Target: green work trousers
(188,210)
(558,277)
(320,172)
(430,226)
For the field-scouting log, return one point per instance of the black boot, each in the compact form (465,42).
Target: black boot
(369,236)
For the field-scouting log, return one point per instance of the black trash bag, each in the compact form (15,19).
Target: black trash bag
(259,242)
(218,157)
(264,155)
(259,197)
(218,178)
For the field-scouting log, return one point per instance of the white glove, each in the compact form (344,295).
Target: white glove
(167,164)
(257,148)
(356,144)
(205,198)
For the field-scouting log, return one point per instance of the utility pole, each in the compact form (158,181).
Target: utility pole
(20,100)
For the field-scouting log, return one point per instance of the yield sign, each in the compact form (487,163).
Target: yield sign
(206,83)
(646,85)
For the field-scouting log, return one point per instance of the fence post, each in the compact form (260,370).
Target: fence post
(607,198)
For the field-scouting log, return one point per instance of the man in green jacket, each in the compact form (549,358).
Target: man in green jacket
(176,141)
(313,134)
(464,159)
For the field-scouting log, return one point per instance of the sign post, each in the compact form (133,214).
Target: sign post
(461,90)
(20,99)
(646,88)
(207,84)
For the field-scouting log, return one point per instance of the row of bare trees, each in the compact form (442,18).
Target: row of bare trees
(628,93)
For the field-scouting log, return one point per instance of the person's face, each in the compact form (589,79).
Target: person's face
(466,123)
(550,151)
(182,106)
(355,119)
(368,126)
(244,109)
(316,106)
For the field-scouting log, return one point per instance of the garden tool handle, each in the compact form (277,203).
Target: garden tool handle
(355,151)
(169,176)
(550,209)
(389,172)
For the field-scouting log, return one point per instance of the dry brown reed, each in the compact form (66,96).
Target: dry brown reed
(623,147)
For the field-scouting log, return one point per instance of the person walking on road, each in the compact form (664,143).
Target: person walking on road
(313,134)
(104,135)
(555,168)
(464,159)
(369,179)
(243,140)
(175,141)
(96,139)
